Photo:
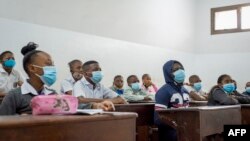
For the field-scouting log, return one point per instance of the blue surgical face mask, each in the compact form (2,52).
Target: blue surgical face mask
(248,90)
(179,76)
(197,86)
(49,75)
(96,76)
(229,88)
(9,63)
(135,86)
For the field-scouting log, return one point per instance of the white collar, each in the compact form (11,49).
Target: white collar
(3,71)
(26,88)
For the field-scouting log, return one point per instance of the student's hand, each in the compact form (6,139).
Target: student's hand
(105,105)
(19,83)
(119,100)
(147,98)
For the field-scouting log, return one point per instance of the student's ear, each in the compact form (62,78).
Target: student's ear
(32,69)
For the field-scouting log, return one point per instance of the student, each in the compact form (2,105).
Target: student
(134,92)
(148,85)
(171,95)
(76,74)
(235,88)
(41,71)
(118,85)
(89,88)
(220,94)
(247,92)
(195,89)
(9,78)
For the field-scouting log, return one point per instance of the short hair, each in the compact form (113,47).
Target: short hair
(192,77)
(86,65)
(3,53)
(117,76)
(129,77)
(71,63)
(145,75)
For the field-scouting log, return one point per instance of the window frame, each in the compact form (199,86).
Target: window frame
(228,8)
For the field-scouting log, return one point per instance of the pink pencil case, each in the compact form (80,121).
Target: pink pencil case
(54,104)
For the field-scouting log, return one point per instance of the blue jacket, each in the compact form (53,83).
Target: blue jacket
(172,94)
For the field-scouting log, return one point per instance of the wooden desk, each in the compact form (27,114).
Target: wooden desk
(196,123)
(118,127)
(145,118)
(197,103)
(245,113)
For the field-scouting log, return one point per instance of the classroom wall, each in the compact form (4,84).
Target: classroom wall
(115,56)
(223,53)
(159,23)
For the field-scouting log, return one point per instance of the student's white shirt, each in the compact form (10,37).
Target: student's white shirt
(85,89)
(8,81)
(191,89)
(26,88)
(67,84)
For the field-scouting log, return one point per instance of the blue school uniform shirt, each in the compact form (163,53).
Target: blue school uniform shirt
(170,95)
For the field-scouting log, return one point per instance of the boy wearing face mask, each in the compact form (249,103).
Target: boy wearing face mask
(9,78)
(195,89)
(247,92)
(76,74)
(134,92)
(89,88)
(118,85)
(171,95)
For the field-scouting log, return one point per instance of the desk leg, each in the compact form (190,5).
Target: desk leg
(142,133)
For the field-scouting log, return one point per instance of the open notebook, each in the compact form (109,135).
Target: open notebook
(89,111)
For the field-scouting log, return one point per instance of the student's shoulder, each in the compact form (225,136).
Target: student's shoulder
(218,90)
(165,89)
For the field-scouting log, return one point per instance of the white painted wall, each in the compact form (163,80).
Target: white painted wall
(115,56)
(223,53)
(161,23)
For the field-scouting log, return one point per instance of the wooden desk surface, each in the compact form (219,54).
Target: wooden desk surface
(197,103)
(117,127)
(195,123)
(245,113)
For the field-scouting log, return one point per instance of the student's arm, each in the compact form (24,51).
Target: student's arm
(110,95)
(10,104)
(20,80)
(243,99)
(194,96)
(221,97)
(66,87)
(129,96)
(81,99)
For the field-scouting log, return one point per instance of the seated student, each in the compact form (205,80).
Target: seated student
(171,95)
(235,88)
(118,85)
(247,92)
(195,89)
(89,88)
(148,85)
(39,67)
(76,74)
(220,94)
(9,78)
(134,92)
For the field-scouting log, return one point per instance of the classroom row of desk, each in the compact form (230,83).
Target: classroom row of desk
(131,122)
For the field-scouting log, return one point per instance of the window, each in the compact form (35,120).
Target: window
(230,19)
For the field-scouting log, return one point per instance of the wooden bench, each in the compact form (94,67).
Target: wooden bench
(145,118)
(105,127)
(196,123)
